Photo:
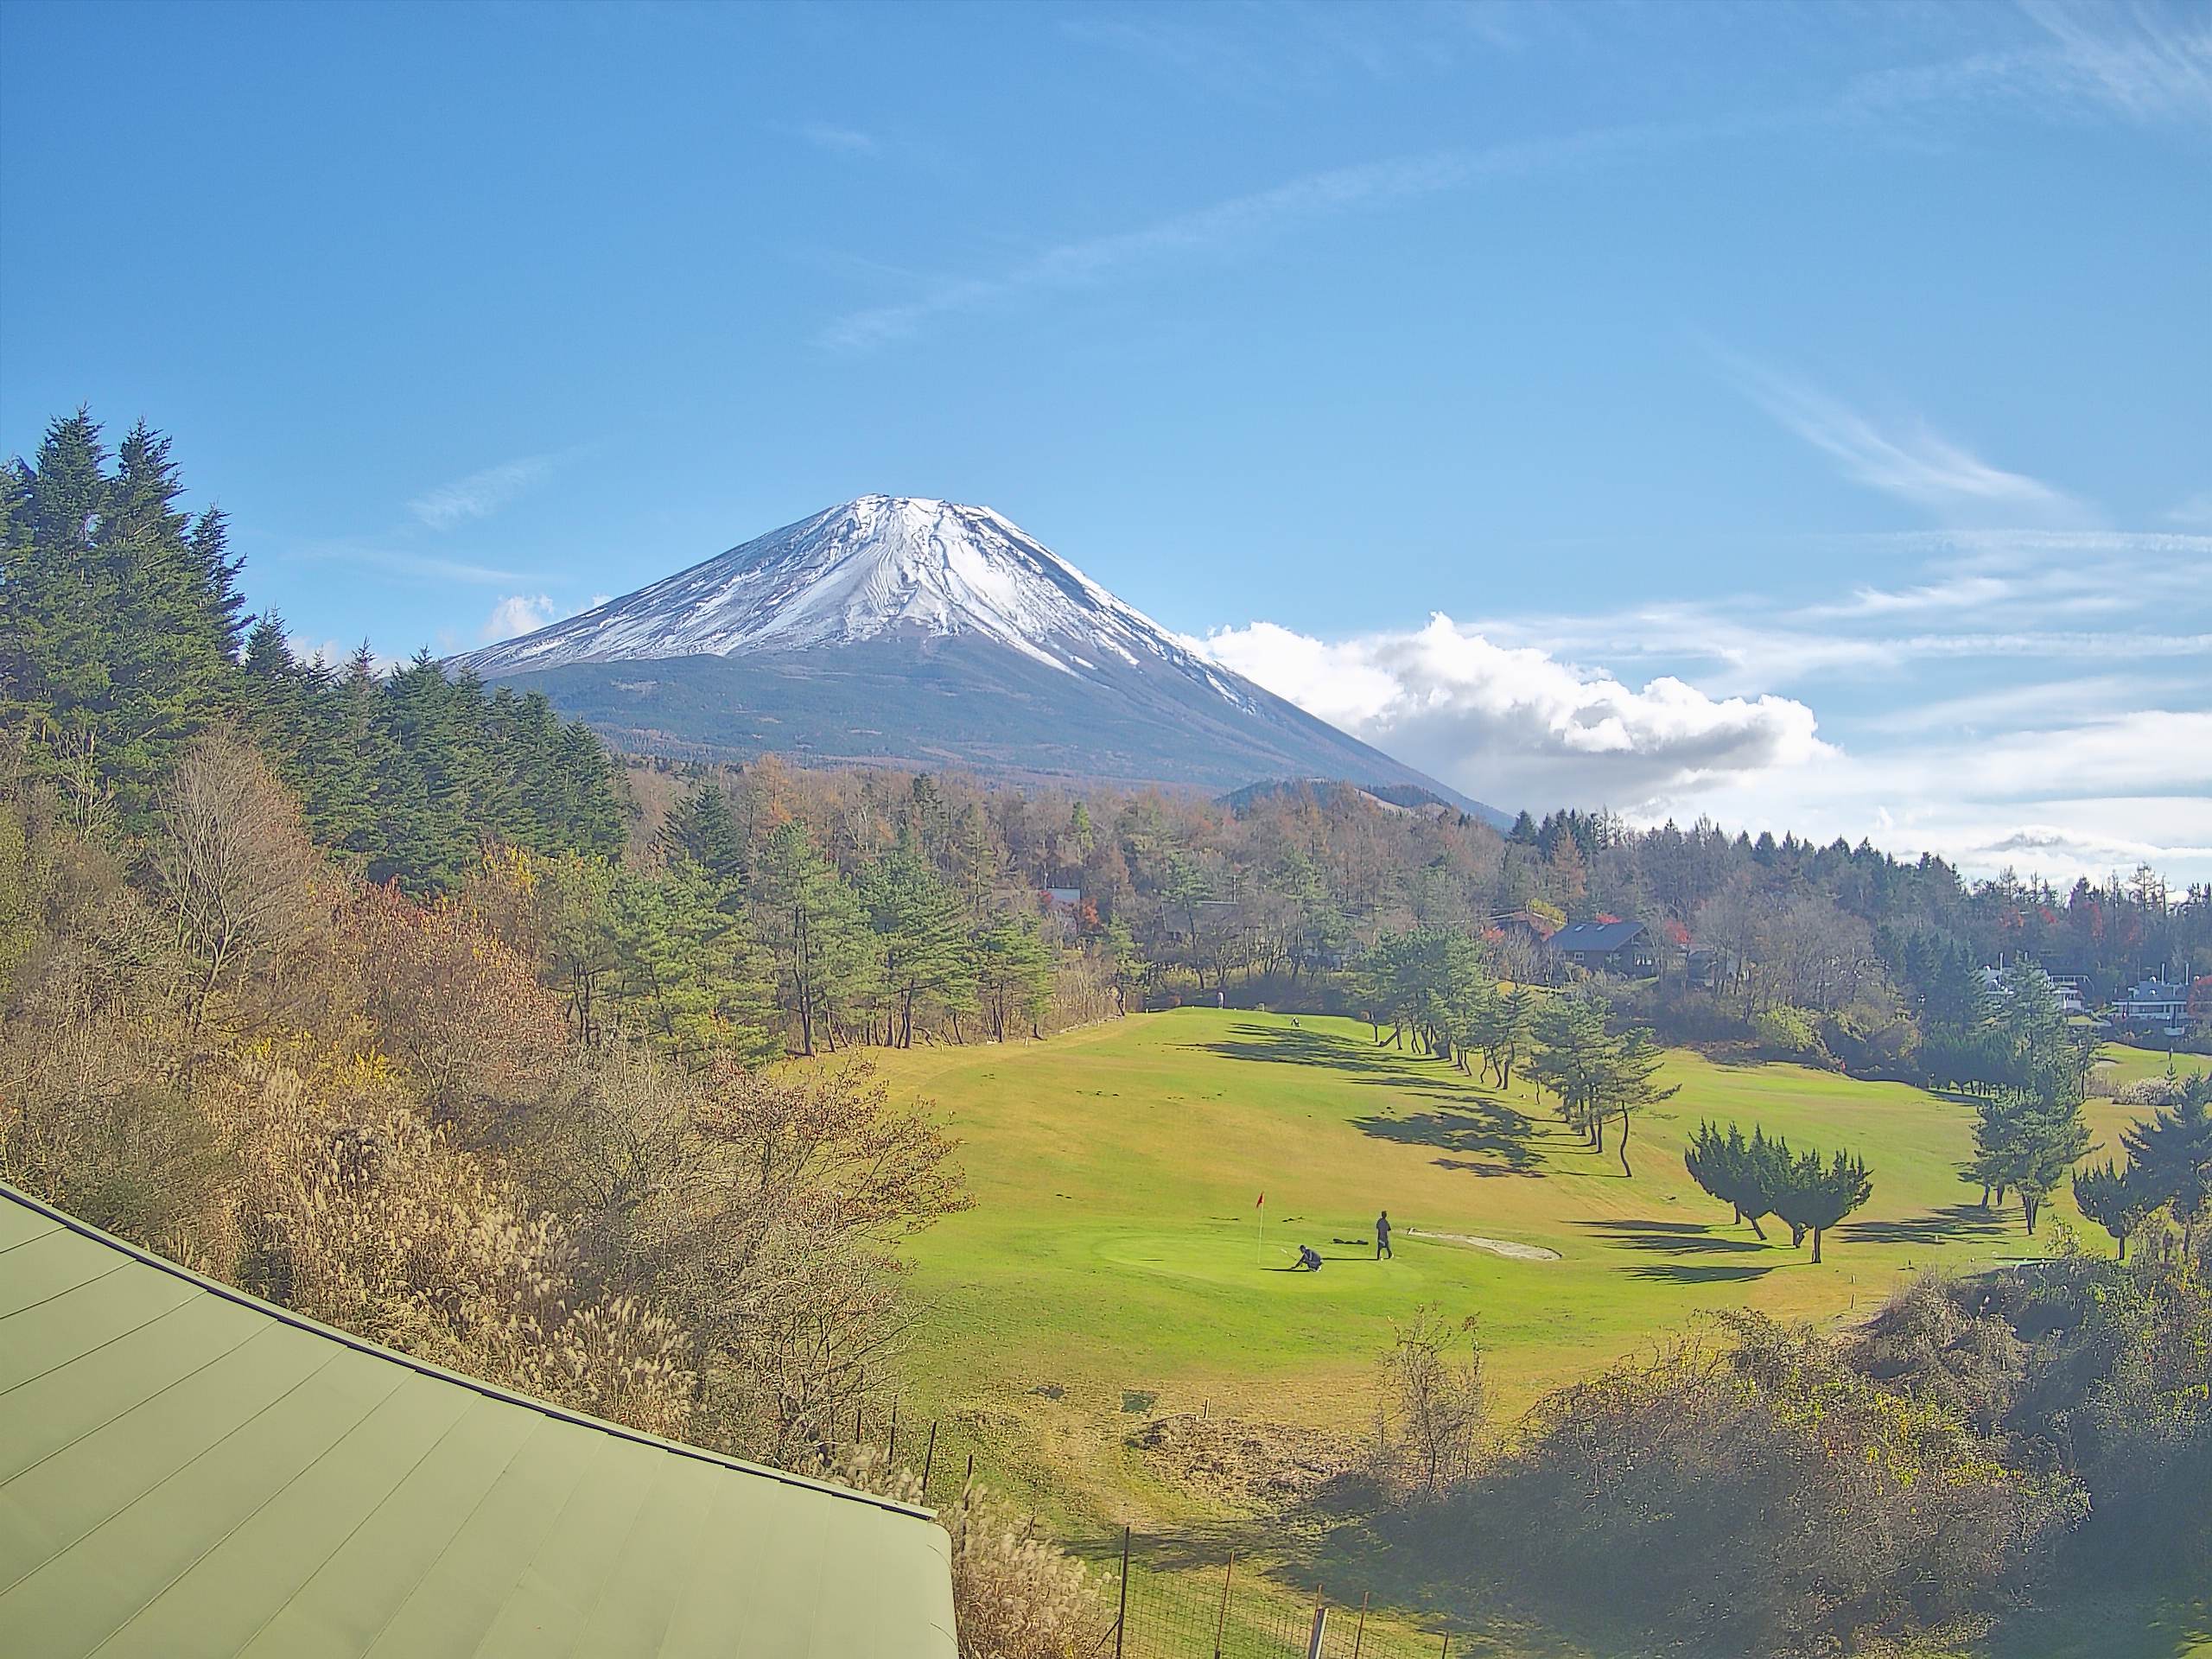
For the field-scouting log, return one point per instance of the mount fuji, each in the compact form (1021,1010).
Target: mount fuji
(903,632)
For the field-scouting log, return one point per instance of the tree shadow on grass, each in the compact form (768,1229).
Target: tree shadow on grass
(1687,1273)
(1952,1222)
(1359,1060)
(1410,1578)
(1670,1237)
(1497,1135)
(1682,1239)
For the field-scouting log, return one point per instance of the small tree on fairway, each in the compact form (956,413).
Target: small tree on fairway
(2052,1137)
(1742,1174)
(2173,1153)
(1707,1160)
(1814,1197)
(1124,959)
(1633,1060)
(2117,1200)
(1574,1059)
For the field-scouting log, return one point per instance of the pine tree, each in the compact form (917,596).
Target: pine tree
(1014,967)
(811,921)
(2173,1154)
(922,948)
(1632,1065)
(114,639)
(2117,1200)
(1813,1197)
(701,827)
(686,970)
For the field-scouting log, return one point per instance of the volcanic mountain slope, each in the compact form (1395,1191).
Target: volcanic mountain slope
(898,631)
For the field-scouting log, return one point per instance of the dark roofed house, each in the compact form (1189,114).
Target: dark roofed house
(1623,948)
(189,1473)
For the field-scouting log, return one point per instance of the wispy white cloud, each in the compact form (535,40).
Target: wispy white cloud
(2147,62)
(2196,510)
(1908,460)
(1267,48)
(2142,64)
(844,141)
(1311,198)
(482,494)
(401,561)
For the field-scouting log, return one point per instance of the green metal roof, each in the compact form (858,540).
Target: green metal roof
(185,1470)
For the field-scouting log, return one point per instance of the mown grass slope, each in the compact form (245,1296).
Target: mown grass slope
(1113,1270)
(1114,1244)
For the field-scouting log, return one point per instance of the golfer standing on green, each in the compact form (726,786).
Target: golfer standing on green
(1382,1236)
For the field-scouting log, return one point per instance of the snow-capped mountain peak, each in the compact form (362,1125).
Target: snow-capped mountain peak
(879,564)
(905,631)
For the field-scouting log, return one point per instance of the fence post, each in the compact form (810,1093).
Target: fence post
(1320,1631)
(1359,1632)
(1221,1625)
(929,1458)
(891,1445)
(1121,1613)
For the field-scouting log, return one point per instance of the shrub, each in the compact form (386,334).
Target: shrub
(1793,1033)
(1747,1484)
(2161,1091)
(1431,1425)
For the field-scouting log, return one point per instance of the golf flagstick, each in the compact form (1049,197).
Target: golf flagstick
(1260,1253)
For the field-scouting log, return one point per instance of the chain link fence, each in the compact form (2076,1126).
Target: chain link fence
(1222,1614)
(1231,1611)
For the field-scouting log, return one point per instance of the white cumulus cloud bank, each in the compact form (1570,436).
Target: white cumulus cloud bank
(517,613)
(1514,723)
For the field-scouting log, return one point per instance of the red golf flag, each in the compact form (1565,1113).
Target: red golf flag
(1261,1200)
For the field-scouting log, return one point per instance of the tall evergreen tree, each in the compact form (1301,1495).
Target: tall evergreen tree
(2173,1154)
(811,922)
(922,949)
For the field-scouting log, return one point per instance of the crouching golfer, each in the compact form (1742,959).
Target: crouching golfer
(1382,1236)
(1309,1259)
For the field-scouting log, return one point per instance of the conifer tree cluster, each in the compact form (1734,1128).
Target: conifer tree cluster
(2168,1169)
(123,637)
(1758,1177)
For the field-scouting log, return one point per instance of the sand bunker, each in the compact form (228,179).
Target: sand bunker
(1495,1246)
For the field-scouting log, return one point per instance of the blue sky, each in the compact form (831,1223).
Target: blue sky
(1801,415)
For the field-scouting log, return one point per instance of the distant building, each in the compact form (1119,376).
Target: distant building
(1624,948)
(1063,901)
(2073,992)
(2155,1003)
(2071,989)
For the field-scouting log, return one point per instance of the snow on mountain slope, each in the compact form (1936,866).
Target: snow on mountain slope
(879,564)
(892,630)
